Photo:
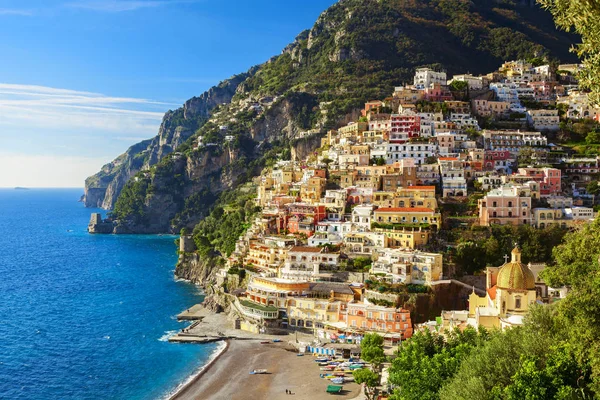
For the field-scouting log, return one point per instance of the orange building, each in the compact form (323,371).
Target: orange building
(372,318)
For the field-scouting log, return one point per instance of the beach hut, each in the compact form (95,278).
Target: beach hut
(334,389)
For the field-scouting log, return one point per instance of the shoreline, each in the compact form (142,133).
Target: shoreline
(229,378)
(193,379)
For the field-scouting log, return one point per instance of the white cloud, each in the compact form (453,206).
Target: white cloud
(16,11)
(71,110)
(121,5)
(46,170)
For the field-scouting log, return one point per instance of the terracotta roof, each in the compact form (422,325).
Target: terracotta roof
(420,187)
(306,249)
(328,287)
(492,292)
(405,209)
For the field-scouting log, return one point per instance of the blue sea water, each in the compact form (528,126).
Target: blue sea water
(86,316)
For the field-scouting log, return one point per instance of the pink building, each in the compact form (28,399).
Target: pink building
(438,93)
(497,160)
(548,178)
(505,205)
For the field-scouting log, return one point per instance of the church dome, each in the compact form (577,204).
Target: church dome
(514,275)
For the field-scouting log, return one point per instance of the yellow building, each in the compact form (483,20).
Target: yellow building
(510,292)
(265,257)
(312,312)
(275,291)
(383,198)
(407,216)
(353,129)
(416,196)
(313,189)
(405,237)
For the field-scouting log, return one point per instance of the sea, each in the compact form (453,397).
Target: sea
(87,316)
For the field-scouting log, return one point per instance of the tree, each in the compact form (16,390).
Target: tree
(458,86)
(371,349)
(369,378)
(593,188)
(427,361)
(593,137)
(581,16)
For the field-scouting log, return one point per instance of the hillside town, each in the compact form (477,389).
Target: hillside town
(348,237)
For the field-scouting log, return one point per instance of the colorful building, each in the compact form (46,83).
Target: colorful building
(367,317)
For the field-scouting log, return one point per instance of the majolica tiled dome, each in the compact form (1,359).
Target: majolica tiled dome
(514,275)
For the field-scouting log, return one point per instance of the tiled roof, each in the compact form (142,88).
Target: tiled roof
(492,292)
(328,287)
(421,188)
(306,249)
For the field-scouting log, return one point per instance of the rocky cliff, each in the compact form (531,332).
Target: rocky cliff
(103,188)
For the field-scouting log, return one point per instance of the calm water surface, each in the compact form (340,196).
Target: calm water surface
(86,316)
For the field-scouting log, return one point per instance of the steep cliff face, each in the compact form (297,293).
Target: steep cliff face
(103,188)
(197,270)
(178,191)
(176,179)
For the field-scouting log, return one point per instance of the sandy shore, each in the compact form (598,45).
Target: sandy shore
(229,378)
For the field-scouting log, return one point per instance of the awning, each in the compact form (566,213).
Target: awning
(334,388)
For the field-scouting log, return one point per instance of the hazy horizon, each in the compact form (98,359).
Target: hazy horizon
(108,74)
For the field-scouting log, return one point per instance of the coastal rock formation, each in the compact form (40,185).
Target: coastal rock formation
(196,270)
(98,225)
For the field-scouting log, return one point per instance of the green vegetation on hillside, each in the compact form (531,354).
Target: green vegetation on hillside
(131,202)
(555,355)
(358,50)
(230,218)
(476,250)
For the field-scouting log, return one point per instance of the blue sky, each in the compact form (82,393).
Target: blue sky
(81,80)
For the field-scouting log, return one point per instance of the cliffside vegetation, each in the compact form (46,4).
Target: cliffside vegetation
(231,216)
(487,246)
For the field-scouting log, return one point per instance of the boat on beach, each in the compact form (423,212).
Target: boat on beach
(258,371)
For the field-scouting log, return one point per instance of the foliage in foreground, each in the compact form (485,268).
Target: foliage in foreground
(555,355)
(582,16)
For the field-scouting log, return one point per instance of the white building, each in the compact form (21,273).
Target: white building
(417,151)
(506,92)
(543,120)
(426,78)
(407,266)
(362,216)
(303,263)
(474,82)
